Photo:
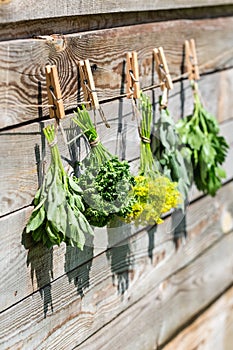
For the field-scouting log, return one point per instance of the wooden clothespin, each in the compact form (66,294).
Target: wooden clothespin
(132,75)
(88,85)
(54,92)
(162,69)
(165,79)
(191,60)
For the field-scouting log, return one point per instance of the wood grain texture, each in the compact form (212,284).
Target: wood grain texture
(26,155)
(148,323)
(74,24)
(213,329)
(22,62)
(18,10)
(20,176)
(146,303)
(89,293)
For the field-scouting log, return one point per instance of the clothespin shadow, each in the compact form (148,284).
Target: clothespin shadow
(165,80)
(54,93)
(191,60)
(40,151)
(120,149)
(182,90)
(132,75)
(153,94)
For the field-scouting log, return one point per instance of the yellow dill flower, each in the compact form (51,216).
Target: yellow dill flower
(172,196)
(155,196)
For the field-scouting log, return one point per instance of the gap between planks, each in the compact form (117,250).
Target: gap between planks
(207,308)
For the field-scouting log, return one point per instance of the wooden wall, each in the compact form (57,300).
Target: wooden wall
(130,288)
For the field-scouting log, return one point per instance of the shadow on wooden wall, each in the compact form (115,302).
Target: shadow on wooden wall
(120,255)
(40,260)
(80,275)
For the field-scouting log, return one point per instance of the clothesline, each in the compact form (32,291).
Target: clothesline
(151,87)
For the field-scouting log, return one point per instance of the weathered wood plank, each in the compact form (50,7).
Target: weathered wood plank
(213,329)
(19,175)
(62,297)
(24,151)
(19,178)
(74,319)
(22,62)
(18,10)
(129,264)
(150,322)
(74,24)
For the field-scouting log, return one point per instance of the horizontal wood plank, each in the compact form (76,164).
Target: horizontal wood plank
(147,303)
(22,62)
(74,24)
(130,288)
(150,322)
(213,329)
(137,266)
(18,10)
(19,176)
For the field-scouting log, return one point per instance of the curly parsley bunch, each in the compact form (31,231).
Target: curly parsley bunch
(106,181)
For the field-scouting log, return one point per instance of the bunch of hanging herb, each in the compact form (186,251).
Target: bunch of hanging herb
(207,149)
(57,215)
(155,193)
(169,153)
(105,180)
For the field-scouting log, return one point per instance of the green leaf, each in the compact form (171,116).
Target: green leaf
(195,138)
(73,230)
(52,233)
(208,152)
(78,203)
(56,198)
(163,138)
(36,220)
(84,224)
(220,172)
(38,233)
(74,186)
(37,197)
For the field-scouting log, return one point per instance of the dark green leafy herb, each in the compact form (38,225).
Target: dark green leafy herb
(57,215)
(169,152)
(207,150)
(106,181)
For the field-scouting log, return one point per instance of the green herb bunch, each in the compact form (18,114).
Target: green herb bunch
(207,150)
(57,216)
(155,193)
(169,153)
(106,181)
